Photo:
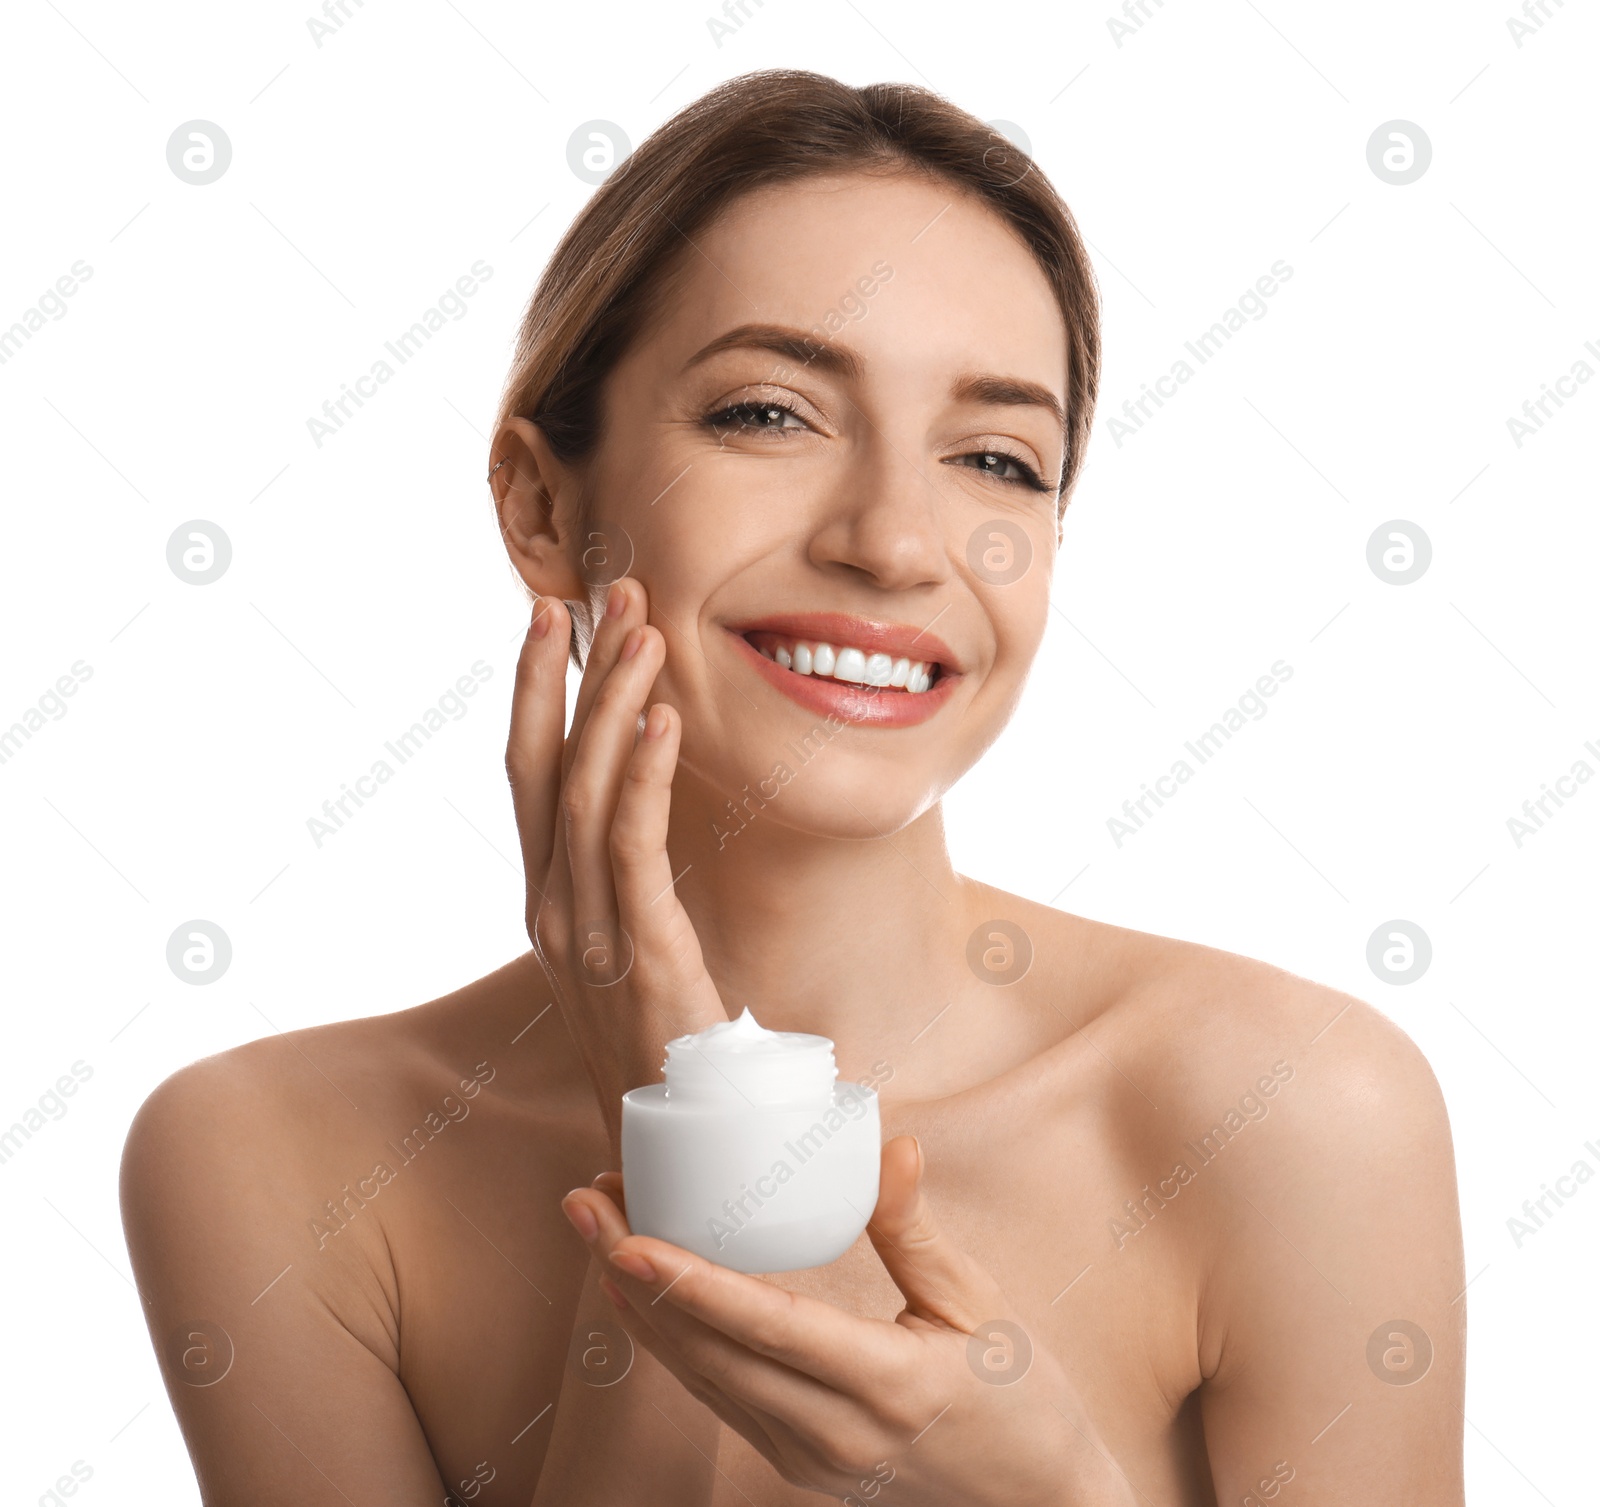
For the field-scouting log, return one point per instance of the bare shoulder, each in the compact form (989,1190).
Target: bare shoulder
(1193,1030)
(228,1158)
(1214,1026)
(234,1157)
(291,1097)
(268,1253)
(1255,1079)
(1302,1186)
(283,1102)
(1294,1149)
(1205,1026)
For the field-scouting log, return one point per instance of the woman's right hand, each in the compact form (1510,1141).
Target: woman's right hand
(603,916)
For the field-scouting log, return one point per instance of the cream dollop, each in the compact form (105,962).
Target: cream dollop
(739,1061)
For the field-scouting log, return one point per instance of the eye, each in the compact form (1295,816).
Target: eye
(993,463)
(760,415)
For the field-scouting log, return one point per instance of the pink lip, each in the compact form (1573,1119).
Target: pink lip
(872,706)
(837,628)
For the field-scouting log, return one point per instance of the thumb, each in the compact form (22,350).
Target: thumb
(939,1280)
(610,1183)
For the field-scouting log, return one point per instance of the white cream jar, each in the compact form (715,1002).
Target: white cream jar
(750,1153)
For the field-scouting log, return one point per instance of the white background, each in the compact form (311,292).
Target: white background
(1231,531)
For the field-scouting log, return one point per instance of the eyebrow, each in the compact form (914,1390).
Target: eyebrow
(979,387)
(801,347)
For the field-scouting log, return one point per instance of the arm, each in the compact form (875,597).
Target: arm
(288,1395)
(1332,1325)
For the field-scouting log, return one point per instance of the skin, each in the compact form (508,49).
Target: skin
(1212,1347)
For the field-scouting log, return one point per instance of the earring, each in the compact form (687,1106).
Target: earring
(544,502)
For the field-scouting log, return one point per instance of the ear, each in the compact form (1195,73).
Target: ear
(535,496)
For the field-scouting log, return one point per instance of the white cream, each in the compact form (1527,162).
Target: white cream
(750,1153)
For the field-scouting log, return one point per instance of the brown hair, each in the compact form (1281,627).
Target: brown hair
(605,281)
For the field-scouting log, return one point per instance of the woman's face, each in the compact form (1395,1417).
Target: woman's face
(845,429)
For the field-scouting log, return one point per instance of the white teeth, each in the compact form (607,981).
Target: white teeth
(856,666)
(851,665)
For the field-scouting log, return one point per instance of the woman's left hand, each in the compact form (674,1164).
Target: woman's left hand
(953,1402)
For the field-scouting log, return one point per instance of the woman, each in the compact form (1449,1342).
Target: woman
(812,373)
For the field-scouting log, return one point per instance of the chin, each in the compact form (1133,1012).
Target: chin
(835,793)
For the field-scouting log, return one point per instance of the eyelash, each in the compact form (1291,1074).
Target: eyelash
(1030,478)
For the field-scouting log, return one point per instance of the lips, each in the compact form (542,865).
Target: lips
(871,694)
(897,639)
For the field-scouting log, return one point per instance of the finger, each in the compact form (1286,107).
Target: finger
(593,786)
(940,1281)
(610,1183)
(533,747)
(755,1381)
(625,609)
(647,906)
(801,1334)
(646,1326)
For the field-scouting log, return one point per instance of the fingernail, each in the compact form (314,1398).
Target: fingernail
(541,619)
(630,645)
(655,723)
(612,1291)
(634,1264)
(616,600)
(581,1218)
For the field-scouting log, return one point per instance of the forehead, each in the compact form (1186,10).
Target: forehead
(952,286)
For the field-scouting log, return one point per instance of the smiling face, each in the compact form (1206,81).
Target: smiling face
(837,450)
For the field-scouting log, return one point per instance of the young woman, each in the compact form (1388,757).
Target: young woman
(813,371)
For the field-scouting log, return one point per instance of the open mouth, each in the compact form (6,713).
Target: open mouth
(849,663)
(863,670)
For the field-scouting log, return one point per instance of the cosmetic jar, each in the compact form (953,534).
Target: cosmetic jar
(750,1153)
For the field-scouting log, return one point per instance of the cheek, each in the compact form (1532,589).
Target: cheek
(681,574)
(1019,614)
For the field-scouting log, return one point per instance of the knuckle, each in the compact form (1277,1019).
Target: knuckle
(552,935)
(902,1405)
(612,689)
(700,1392)
(715,1364)
(679,949)
(639,772)
(629,847)
(519,767)
(577,801)
(770,1332)
(802,1469)
(848,1451)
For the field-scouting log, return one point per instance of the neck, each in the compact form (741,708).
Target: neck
(856,939)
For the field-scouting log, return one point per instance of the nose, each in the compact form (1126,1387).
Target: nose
(886,522)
